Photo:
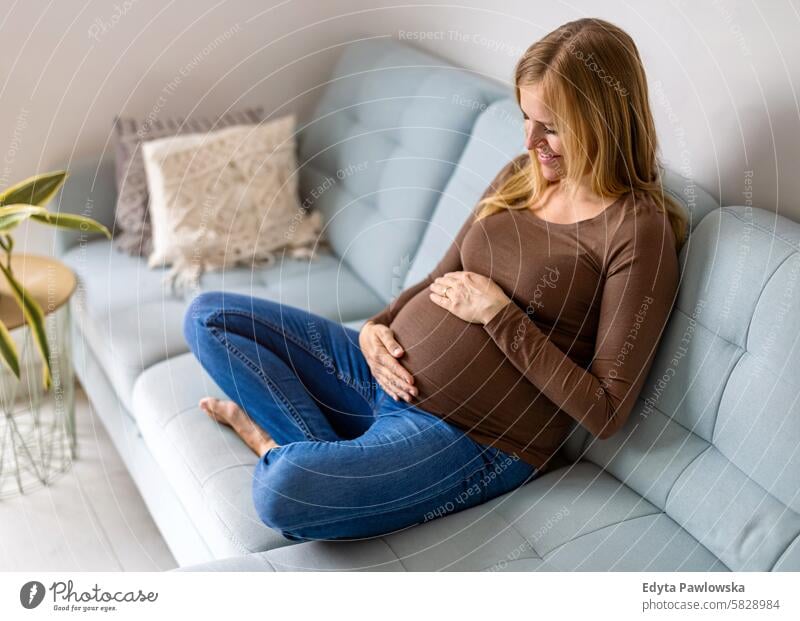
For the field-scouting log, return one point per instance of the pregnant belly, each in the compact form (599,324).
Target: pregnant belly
(448,355)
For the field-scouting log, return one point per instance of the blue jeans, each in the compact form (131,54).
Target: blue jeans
(351,462)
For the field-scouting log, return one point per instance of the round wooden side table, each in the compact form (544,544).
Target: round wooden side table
(37,427)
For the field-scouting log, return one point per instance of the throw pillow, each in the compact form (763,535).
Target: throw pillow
(226,198)
(132,231)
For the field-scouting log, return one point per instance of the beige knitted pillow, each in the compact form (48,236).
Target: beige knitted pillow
(226,198)
(132,233)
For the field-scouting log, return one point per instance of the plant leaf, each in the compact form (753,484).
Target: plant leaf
(71,221)
(12,215)
(35,317)
(36,190)
(8,349)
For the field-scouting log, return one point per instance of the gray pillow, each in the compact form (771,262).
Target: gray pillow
(132,231)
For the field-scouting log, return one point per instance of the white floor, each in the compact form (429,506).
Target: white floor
(91,518)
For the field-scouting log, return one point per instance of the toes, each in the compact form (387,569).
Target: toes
(227,412)
(208,405)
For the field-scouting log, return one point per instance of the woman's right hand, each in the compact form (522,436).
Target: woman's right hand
(380,349)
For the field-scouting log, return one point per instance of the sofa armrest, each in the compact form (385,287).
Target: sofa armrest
(90,191)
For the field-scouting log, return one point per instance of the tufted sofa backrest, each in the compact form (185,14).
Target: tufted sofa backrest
(379,148)
(715,438)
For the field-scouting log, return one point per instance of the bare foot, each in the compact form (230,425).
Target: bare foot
(230,414)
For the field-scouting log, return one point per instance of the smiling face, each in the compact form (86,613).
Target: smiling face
(540,132)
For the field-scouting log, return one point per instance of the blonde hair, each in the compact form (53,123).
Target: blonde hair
(593,81)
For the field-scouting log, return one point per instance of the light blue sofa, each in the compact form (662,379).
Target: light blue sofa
(704,476)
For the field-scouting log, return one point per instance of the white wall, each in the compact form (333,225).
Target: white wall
(721,72)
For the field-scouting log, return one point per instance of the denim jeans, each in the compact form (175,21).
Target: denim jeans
(351,462)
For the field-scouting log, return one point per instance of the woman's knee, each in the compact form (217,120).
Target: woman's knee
(207,304)
(204,307)
(197,313)
(281,486)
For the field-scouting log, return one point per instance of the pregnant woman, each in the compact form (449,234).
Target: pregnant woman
(546,310)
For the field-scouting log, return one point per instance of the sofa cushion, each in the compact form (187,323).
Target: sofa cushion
(131,322)
(649,543)
(573,518)
(379,148)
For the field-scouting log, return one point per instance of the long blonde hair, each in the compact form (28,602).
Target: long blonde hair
(592,79)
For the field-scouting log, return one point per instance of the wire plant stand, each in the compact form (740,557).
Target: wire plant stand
(37,428)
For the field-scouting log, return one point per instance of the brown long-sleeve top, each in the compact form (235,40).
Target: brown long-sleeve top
(589,304)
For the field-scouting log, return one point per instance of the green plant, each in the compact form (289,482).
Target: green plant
(18,203)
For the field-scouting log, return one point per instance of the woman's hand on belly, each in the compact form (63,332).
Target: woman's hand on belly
(380,350)
(469,296)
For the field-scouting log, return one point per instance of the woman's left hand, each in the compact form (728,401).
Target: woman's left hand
(470,296)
